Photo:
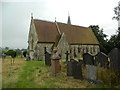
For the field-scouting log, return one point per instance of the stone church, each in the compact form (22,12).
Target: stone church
(46,35)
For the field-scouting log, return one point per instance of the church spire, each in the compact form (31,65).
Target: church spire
(55,19)
(69,21)
(31,16)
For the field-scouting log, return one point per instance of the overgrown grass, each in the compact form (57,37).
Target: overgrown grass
(10,73)
(35,74)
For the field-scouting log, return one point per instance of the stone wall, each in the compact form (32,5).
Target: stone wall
(40,50)
(76,50)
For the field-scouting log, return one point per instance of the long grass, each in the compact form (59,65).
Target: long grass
(35,74)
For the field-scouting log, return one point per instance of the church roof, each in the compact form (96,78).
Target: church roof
(47,32)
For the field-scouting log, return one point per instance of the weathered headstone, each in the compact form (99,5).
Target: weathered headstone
(47,58)
(74,64)
(88,59)
(67,55)
(102,59)
(91,73)
(69,69)
(55,64)
(78,71)
(114,56)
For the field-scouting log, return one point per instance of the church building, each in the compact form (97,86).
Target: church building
(47,35)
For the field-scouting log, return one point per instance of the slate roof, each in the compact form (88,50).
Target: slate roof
(47,32)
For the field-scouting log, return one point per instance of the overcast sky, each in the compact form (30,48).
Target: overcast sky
(16,16)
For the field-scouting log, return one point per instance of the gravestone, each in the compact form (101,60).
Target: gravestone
(114,56)
(91,73)
(55,64)
(67,55)
(47,58)
(74,65)
(78,71)
(102,59)
(88,59)
(69,69)
(74,69)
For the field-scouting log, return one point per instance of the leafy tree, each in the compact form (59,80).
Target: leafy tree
(7,48)
(117,12)
(24,53)
(100,36)
(11,53)
(18,52)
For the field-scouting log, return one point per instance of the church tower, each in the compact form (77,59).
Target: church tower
(69,21)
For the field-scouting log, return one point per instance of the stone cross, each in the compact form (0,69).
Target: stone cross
(67,55)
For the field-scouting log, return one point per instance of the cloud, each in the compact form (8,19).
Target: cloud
(17,14)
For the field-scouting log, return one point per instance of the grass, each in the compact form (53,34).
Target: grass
(34,74)
(0,74)
(10,73)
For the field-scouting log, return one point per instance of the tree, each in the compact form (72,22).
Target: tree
(100,36)
(18,52)
(114,41)
(7,48)
(117,12)
(13,54)
(24,53)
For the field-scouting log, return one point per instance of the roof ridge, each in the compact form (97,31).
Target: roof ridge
(44,20)
(61,23)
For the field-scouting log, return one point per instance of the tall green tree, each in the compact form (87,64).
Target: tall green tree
(117,12)
(114,41)
(13,54)
(100,36)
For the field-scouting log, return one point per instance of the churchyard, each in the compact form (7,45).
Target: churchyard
(96,71)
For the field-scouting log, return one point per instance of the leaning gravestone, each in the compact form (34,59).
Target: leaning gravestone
(69,68)
(88,59)
(114,56)
(91,73)
(74,65)
(47,58)
(102,59)
(78,71)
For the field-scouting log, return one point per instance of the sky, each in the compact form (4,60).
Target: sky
(16,16)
